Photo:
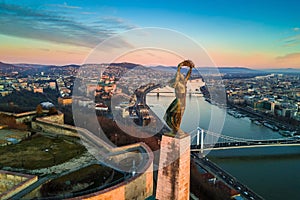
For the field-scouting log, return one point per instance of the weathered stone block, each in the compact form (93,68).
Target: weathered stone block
(173,180)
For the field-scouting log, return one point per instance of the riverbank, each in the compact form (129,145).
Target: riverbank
(266,120)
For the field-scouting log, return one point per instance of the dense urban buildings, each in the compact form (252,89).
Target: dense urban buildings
(271,99)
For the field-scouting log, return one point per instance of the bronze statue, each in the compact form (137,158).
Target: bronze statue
(176,109)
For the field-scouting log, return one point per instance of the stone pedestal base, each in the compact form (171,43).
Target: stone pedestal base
(173,180)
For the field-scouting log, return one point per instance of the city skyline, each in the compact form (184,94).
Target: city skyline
(250,34)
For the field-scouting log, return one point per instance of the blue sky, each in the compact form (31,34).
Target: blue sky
(234,33)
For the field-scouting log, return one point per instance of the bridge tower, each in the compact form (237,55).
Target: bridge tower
(200,135)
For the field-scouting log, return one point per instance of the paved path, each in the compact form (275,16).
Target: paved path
(53,172)
(70,165)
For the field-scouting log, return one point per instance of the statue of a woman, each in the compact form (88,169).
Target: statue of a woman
(176,109)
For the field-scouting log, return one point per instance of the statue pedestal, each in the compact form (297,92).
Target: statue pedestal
(173,180)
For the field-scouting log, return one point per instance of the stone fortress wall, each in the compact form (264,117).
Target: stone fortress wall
(54,124)
(12,183)
(21,117)
(139,186)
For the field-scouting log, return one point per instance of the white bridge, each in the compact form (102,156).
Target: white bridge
(207,140)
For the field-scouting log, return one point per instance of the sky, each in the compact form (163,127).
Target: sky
(244,33)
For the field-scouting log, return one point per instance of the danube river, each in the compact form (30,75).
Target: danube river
(271,172)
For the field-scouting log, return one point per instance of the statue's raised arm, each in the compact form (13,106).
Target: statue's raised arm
(187,63)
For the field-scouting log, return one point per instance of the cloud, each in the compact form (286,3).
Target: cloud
(291,41)
(296,29)
(44,49)
(288,60)
(291,56)
(57,27)
(88,13)
(65,6)
(293,44)
(110,22)
(68,52)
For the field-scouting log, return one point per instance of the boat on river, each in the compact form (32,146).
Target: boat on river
(258,123)
(274,128)
(234,114)
(287,133)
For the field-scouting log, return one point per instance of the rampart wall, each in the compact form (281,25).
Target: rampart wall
(138,187)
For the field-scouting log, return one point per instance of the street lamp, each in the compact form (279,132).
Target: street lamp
(48,151)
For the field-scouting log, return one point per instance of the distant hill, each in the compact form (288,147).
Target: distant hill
(66,66)
(210,69)
(125,64)
(237,70)
(283,71)
(40,67)
(37,66)
(25,68)
(231,70)
(164,68)
(3,65)
(45,67)
(9,68)
(129,66)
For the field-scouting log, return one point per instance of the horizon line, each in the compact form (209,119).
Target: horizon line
(148,65)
